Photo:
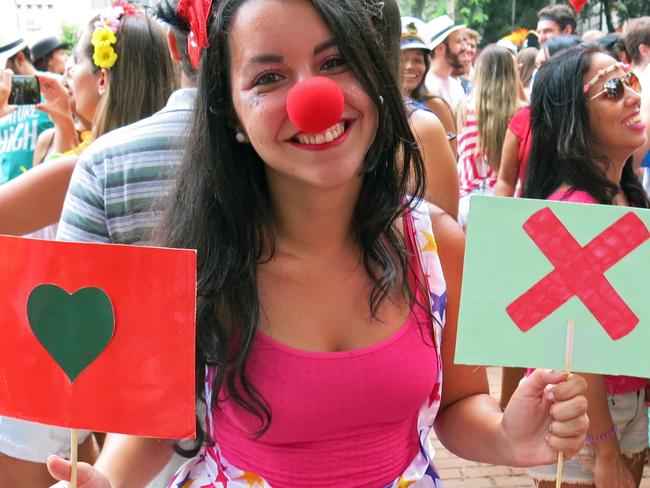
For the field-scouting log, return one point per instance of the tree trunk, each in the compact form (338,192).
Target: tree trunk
(608,16)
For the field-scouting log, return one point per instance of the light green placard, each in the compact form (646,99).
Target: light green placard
(502,262)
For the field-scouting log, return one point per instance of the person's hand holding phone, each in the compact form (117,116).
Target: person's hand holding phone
(6,77)
(56,103)
(57,106)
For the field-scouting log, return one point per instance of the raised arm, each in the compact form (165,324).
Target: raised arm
(470,422)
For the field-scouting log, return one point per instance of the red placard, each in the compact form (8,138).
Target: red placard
(142,383)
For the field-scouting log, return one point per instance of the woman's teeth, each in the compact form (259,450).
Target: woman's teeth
(329,135)
(634,120)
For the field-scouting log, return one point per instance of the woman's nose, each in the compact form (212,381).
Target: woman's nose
(315,104)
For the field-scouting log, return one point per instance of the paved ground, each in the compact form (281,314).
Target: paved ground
(459,473)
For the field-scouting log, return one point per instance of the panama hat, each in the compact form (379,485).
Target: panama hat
(440,28)
(414,34)
(11,42)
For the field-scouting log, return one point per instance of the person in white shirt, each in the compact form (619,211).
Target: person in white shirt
(446,48)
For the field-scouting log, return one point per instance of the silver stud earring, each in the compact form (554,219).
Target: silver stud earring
(240,137)
(381,100)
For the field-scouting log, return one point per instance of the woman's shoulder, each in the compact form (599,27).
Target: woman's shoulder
(448,235)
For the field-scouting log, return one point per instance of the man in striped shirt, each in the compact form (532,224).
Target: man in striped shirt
(117,186)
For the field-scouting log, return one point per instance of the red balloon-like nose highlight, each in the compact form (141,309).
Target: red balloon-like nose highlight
(315,104)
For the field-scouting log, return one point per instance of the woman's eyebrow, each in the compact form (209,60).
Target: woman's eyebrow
(266,58)
(276,58)
(324,46)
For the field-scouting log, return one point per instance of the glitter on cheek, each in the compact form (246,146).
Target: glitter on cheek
(252,100)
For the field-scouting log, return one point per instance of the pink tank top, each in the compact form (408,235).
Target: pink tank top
(615,384)
(349,416)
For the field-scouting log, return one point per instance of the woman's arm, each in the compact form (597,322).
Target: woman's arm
(610,469)
(440,108)
(34,199)
(470,422)
(508,167)
(43,144)
(441,176)
(125,462)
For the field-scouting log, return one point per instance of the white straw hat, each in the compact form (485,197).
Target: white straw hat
(440,28)
(11,42)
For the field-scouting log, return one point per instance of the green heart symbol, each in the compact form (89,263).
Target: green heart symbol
(73,328)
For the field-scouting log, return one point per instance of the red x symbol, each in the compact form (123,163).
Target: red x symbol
(579,271)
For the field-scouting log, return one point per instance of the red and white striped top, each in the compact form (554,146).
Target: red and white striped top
(473,171)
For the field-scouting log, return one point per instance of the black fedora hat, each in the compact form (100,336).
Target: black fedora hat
(45,47)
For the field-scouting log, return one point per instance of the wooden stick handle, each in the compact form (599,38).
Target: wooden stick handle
(74,442)
(568,364)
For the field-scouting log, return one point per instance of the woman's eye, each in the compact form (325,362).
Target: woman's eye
(335,63)
(266,79)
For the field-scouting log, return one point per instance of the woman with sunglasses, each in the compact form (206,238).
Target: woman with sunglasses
(319,356)
(586,123)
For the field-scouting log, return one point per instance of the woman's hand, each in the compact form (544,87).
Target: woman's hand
(6,76)
(547,414)
(612,472)
(56,103)
(87,476)
(57,106)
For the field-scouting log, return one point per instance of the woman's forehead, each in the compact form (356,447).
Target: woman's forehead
(608,66)
(276,22)
(276,30)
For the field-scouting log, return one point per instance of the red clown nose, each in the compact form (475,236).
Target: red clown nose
(315,104)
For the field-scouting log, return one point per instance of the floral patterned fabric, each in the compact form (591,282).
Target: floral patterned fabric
(211,470)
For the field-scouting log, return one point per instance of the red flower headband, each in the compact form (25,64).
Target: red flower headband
(127,7)
(195,13)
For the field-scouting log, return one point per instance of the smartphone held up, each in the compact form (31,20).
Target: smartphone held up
(25,90)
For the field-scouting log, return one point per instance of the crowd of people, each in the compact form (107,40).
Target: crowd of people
(329,261)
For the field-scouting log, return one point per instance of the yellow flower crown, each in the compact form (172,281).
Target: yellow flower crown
(104,35)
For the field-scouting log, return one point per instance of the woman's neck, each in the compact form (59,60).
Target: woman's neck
(312,221)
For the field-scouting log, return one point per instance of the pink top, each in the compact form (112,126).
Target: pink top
(614,384)
(520,126)
(473,171)
(349,416)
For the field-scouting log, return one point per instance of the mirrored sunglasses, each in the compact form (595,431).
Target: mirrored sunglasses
(614,88)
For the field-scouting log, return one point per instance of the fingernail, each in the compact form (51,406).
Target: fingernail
(550,396)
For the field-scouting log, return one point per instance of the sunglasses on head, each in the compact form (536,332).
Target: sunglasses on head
(614,88)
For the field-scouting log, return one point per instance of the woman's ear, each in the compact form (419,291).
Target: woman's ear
(102,82)
(172,43)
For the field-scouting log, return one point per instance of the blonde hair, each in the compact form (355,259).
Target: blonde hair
(142,78)
(495,99)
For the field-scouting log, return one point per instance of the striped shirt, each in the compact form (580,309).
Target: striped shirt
(118,182)
(473,171)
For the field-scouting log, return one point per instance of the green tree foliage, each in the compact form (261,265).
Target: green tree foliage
(493,18)
(70,34)
(628,9)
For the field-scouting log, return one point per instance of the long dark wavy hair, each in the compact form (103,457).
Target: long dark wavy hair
(563,149)
(222,207)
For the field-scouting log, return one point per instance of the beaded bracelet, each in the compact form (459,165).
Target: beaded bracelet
(601,437)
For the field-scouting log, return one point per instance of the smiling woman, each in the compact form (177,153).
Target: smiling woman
(587,158)
(323,288)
